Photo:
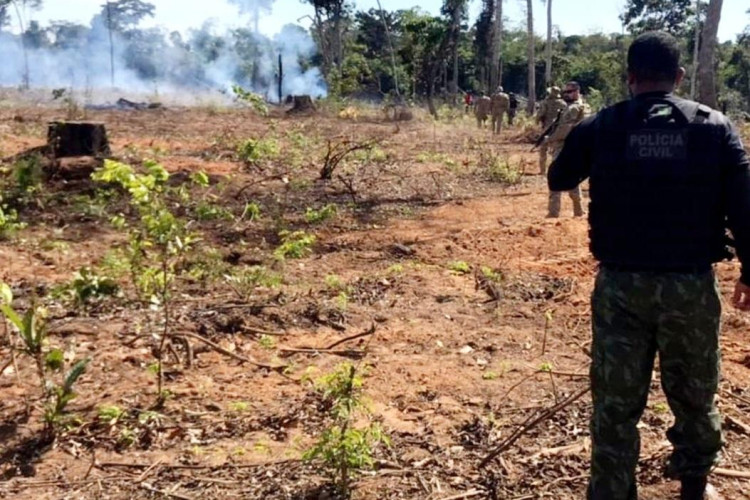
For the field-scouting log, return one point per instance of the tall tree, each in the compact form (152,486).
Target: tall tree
(455,10)
(496,72)
(648,15)
(696,47)
(21,8)
(329,17)
(125,15)
(707,56)
(548,48)
(391,50)
(122,16)
(428,38)
(531,55)
(482,44)
(255,8)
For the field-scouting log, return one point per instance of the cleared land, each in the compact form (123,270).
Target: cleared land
(479,306)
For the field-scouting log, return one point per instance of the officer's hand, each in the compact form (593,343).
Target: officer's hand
(741,297)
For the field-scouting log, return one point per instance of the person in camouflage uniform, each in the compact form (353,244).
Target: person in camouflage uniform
(500,106)
(482,110)
(667,177)
(548,112)
(572,115)
(628,308)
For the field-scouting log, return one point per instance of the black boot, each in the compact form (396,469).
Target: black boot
(693,488)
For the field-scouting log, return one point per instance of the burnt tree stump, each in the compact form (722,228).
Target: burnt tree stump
(302,104)
(70,139)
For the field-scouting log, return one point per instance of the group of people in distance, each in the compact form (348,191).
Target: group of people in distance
(495,107)
(565,107)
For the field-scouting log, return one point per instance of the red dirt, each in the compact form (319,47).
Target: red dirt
(450,374)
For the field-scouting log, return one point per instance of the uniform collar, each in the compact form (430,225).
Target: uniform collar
(651,95)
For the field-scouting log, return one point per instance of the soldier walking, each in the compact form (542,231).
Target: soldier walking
(500,106)
(572,115)
(548,112)
(667,176)
(482,110)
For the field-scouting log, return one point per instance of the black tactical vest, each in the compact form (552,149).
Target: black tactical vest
(656,186)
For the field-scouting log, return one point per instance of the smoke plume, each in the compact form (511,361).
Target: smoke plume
(207,59)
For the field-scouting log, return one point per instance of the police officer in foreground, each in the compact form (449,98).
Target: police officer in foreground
(666,177)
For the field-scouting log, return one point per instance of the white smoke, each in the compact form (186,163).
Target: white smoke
(168,64)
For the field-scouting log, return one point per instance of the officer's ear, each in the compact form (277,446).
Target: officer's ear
(680,76)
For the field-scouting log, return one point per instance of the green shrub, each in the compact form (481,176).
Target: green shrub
(317,216)
(294,245)
(255,151)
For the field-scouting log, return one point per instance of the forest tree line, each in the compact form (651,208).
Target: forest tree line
(408,54)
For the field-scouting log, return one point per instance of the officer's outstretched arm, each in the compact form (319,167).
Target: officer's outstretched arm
(572,166)
(736,166)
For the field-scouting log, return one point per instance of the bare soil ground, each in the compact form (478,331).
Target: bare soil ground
(452,373)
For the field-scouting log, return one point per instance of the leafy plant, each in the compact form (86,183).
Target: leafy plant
(255,101)
(31,327)
(27,173)
(395,269)
(294,245)
(157,243)
(267,342)
(246,280)
(491,274)
(205,211)
(317,216)
(110,414)
(499,170)
(335,283)
(88,285)
(255,151)
(61,395)
(660,408)
(460,267)
(344,448)
(239,406)
(9,223)
(251,212)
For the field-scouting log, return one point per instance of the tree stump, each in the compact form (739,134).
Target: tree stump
(69,139)
(302,104)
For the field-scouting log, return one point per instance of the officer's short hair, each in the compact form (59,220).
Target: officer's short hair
(574,85)
(654,57)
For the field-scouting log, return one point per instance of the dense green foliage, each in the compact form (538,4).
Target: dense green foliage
(389,54)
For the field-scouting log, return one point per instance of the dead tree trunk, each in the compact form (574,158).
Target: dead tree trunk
(68,139)
(302,104)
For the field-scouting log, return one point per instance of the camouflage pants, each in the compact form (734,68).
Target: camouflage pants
(497,122)
(555,201)
(543,149)
(555,197)
(635,316)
